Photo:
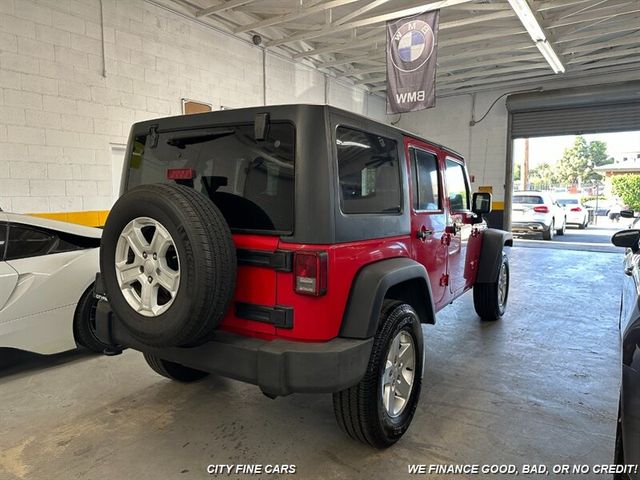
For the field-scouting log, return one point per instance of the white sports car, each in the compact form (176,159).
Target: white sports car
(47,271)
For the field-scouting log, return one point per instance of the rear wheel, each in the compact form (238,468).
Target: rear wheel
(379,409)
(490,299)
(173,371)
(561,231)
(548,234)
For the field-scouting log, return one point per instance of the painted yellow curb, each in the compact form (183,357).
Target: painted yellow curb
(94,218)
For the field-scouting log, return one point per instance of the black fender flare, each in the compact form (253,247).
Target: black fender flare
(493,242)
(370,288)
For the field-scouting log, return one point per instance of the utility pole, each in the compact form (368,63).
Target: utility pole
(525,166)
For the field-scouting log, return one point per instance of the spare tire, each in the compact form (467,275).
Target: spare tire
(168,264)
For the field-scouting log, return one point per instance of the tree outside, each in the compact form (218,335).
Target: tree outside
(575,168)
(627,187)
(577,163)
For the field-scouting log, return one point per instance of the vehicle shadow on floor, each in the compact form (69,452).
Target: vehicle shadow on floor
(15,362)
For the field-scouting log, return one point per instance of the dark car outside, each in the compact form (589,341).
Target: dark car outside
(628,432)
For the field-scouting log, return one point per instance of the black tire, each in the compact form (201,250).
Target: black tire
(584,224)
(486,296)
(173,371)
(206,256)
(84,323)
(619,453)
(360,410)
(548,234)
(560,231)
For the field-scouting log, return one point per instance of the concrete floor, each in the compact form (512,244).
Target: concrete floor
(541,386)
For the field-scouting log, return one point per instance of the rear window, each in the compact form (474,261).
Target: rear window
(368,171)
(529,199)
(568,201)
(250,181)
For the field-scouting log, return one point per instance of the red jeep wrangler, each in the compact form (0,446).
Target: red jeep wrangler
(298,248)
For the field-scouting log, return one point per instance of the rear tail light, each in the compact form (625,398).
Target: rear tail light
(180,173)
(542,209)
(310,270)
(576,209)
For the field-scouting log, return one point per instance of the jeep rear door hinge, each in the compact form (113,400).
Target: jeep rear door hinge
(444,280)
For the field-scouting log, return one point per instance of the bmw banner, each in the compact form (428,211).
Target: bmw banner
(411,62)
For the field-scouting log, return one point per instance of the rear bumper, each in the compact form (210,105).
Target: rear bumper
(528,227)
(278,367)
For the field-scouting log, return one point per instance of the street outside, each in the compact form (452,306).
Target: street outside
(593,238)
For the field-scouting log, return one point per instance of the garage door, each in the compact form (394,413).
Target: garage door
(575,111)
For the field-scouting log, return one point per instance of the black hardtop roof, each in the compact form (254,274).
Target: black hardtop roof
(238,115)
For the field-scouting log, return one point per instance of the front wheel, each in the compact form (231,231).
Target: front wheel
(490,299)
(379,409)
(561,231)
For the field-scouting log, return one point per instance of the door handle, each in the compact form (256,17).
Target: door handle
(423,233)
(453,229)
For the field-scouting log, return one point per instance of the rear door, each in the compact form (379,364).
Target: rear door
(428,217)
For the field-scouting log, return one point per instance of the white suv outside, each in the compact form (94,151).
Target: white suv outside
(537,212)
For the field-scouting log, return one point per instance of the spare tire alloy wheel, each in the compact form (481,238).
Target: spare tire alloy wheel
(147,266)
(168,263)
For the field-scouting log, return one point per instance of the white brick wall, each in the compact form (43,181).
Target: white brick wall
(59,115)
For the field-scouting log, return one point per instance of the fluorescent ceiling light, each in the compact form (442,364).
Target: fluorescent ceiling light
(530,22)
(550,56)
(528,19)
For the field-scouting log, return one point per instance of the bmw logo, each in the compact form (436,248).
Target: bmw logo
(412,45)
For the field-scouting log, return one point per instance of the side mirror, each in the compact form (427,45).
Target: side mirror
(481,203)
(627,214)
(627,239)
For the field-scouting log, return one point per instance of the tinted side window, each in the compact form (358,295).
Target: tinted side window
(457,186)
(28,242)
(368,171)
(424,167)
(3,239)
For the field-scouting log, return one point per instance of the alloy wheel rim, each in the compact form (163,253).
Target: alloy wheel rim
(147,266)
(399,373)
(502,285)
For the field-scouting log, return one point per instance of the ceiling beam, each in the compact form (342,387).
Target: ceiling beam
(624,73)
(367,57)
(617,27)
(444,43)
(618,42)
(446,68)
(333,28)
(478,7)
(608,54)
(221,7)
(593,16)
(299,13)
(360,11)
